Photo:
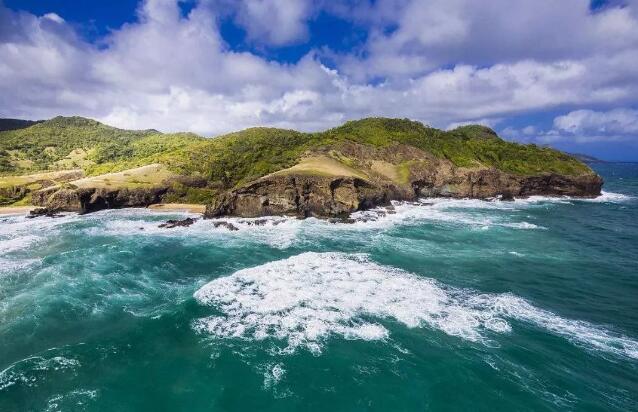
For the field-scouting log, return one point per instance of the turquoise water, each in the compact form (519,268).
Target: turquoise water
(447,305)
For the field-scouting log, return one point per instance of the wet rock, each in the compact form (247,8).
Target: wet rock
(226,225)
(346,220)
(177,223)
(256,222)
(43,212)
(262,222)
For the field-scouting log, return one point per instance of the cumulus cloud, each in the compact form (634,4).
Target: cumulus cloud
(617,121)
(426,35)
(463,63)
(275,22)
(583,126)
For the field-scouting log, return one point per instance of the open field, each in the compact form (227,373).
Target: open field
(53,177)
(322,165)
(148,176)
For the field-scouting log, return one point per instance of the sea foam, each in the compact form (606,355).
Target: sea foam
(305,299)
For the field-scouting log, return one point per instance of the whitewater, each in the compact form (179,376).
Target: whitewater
(450,303)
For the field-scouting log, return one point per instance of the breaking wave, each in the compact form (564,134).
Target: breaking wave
(305,299)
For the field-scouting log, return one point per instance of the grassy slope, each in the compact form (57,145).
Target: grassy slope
(240,157)
(243,156)
(68,142)
(148,176)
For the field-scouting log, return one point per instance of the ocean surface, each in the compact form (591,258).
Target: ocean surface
(448,305)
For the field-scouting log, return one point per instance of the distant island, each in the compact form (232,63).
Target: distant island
(587,158)
(78,164)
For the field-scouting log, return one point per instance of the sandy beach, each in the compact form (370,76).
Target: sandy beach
(188,207)
(15,210)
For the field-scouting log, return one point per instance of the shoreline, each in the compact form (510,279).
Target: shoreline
(15,210)
(177,207)
(200,208)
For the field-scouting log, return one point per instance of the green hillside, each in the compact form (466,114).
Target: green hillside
(72,142)
(66,143)
(15,124)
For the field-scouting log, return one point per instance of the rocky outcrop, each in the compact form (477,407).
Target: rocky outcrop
(31,183)
(488,183)
(43,212)
(337,196)
(87,200)
(169,224)
(304,196)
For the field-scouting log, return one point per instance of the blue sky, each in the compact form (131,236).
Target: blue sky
(537,71)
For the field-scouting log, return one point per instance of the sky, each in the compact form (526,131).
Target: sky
(551,72)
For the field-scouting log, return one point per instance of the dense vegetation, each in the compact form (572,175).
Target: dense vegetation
(15,124)
(239,157)
(72,142)
(465,146)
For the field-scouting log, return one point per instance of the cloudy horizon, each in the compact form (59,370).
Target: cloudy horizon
(544,72)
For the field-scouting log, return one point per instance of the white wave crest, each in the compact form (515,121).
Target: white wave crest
(307,298)
(17,243)
(609,197)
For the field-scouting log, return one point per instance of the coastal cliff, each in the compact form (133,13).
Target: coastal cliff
(264,171)
(332,189)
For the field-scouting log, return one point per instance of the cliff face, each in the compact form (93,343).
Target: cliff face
(305,196)
(319,196)
(266,171)
(88,200)
(378,177)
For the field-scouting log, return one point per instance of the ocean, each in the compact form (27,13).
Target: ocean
(441,305)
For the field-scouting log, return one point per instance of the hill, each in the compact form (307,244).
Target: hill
(392,158)
(15,124)
(587,158)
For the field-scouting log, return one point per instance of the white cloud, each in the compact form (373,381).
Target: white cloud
(274,22)
(583,126)
(483,122)
(175,72)
(587,123)
(433,33)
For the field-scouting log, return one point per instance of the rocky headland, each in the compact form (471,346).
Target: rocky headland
(264,172)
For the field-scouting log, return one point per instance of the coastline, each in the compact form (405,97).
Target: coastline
(178,207)
(15,210)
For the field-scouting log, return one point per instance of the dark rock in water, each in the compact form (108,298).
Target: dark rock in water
(43,212)
(262,222)
(257,222)
(227,225)
(507,197)
(177,223)
(347,220)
